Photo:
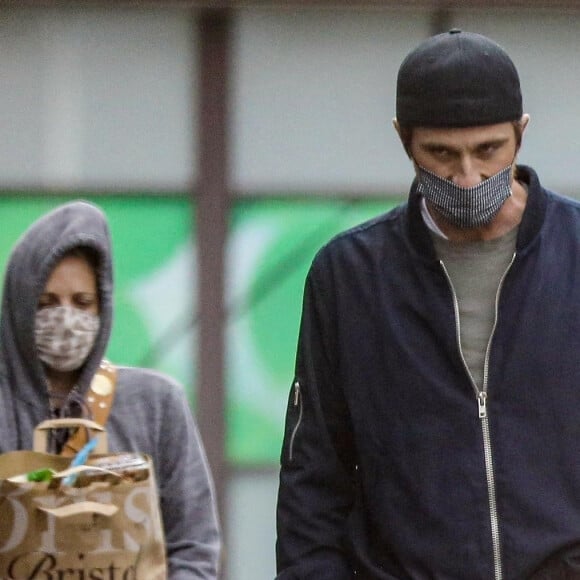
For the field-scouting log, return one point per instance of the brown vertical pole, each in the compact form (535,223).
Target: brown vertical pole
(213,201)
(441,18)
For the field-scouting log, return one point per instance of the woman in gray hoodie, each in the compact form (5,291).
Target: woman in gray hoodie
(59,277)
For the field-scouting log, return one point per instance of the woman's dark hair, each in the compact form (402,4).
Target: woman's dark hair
(91,256)
(87,253)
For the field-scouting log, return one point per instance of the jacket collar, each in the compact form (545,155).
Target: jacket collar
(529,227)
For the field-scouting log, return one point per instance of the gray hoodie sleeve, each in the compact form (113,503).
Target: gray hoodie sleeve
(187,498)
(151,414)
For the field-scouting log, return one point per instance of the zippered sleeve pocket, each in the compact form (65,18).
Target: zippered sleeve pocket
(294,415)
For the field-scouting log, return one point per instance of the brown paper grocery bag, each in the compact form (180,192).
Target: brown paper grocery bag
(106,525)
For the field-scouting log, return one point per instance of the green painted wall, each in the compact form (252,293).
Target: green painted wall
(271,245)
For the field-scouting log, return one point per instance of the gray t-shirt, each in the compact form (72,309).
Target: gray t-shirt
(476,269)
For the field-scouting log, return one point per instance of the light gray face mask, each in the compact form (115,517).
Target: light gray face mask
(466,207)
(65,336)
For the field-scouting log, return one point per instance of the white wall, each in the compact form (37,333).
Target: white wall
(105,98)
(97,99)
(251,540)
(314,99)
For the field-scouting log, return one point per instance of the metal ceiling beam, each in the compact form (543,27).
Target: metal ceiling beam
(553,5)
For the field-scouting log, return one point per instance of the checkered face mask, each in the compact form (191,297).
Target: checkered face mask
(64,336)
(466,207)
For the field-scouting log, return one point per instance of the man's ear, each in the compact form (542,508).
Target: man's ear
(397,126)
(524,121)
(406,146)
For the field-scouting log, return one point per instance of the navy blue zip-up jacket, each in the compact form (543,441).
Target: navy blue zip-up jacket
(392,467)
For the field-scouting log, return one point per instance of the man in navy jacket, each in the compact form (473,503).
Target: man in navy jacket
(432,429)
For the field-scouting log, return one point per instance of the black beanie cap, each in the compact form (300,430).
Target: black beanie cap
(457,79)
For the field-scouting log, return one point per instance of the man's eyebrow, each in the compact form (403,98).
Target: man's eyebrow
(437,146)
(494,141)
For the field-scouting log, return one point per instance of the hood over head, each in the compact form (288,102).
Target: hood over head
(30,264)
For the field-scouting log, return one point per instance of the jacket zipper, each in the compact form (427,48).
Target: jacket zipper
(297,403)
(482,411)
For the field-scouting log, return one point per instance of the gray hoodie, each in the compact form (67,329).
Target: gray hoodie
(150,413)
